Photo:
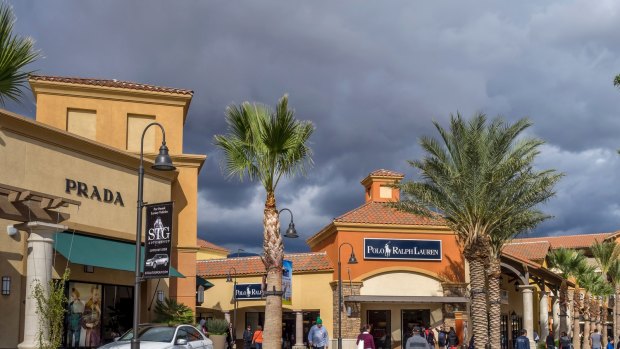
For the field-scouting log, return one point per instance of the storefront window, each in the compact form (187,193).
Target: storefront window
(381,327)
(97,313)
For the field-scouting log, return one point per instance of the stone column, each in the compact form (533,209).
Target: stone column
(38,270)
(299,330)
(544,314)
(556,315)
(528,312)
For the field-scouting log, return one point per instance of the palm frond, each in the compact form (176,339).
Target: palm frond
(15,53)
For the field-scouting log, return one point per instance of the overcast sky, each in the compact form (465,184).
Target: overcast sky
(371,76)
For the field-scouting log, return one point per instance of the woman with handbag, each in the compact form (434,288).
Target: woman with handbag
(365,339)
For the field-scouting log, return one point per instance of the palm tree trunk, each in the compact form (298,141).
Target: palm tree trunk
(616,316)
(273,253)
(479,310)
(586,321)
(494,276)
(602,324)
(564,307)
(576,317)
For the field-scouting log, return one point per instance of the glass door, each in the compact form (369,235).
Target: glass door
(379,320)
(411,318)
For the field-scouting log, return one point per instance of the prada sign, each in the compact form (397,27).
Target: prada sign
(93,192)
(402,249)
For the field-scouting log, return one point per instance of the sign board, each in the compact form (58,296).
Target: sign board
(248,291)
(287,282)
(158,238)
(402,249)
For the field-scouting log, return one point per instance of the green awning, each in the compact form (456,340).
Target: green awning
(203,282)
(98,252)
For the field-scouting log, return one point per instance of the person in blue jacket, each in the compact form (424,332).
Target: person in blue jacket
(522,341)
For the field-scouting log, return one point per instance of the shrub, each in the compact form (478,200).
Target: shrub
(172,312)
(217,326)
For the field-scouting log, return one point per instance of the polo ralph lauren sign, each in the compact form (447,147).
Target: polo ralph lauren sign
(248,291)
(414,250)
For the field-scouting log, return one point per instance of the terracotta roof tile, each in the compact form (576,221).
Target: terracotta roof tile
(211,246)
(533,250)
(386,173)
(568,241)
(302,262)
(379,213)
(110,83)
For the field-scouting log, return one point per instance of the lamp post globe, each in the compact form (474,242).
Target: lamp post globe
(162,162)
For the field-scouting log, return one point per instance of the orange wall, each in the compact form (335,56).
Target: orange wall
(452,262)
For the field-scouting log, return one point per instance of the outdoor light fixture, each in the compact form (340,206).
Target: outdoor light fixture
(163,162)
(200,295)
(160,295)
(229,278)
(6,285)
(290,232)
(352,260)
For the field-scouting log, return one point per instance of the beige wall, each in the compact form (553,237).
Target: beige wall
(400,284)
(205,253)
(112,108)
(40,166)
(311,291)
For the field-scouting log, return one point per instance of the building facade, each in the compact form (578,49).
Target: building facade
(68,193)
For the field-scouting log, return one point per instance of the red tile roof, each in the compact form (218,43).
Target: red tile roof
(379,213)
(211,246)
(302,262)
(110,83)
(532,250)
(386,173)
(568,241)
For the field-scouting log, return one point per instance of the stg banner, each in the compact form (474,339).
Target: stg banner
(426,250)
(287,282)
(158,237)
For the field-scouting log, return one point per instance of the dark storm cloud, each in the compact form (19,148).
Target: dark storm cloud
(371,77)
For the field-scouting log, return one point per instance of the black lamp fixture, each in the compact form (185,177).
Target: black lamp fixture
(290,232)
(163,162)
(232,273)
(352,260)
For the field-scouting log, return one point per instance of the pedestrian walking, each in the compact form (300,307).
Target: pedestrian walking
(318,337)
(417,340)
(453,339)
(257,338)
(610,343)
(522,341)
(368,342)
(247,337)
(565,341)
(596,340)
(550,340)
(442,338)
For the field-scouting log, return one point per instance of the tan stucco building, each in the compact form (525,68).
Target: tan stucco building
(68,193)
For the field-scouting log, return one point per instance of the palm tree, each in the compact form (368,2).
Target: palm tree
(265,145)
(614,276)
(606,255)
(583,271)
(617,80)
(602,291)
(568,262)
(589,280)
(482,181)
(15,53)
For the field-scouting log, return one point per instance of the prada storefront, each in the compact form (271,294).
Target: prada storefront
(68,193)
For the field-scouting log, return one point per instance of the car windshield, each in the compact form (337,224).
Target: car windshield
(152,334)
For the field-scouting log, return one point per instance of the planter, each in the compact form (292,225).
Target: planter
(219,341)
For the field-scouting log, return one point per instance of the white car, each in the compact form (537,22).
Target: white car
(158,259)
(161,336)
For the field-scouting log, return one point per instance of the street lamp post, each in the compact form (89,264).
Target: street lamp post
(290,232)
(232,328)
(352,260)
(163,162)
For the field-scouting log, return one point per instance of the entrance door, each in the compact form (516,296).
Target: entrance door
(411,318)
(381,327)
